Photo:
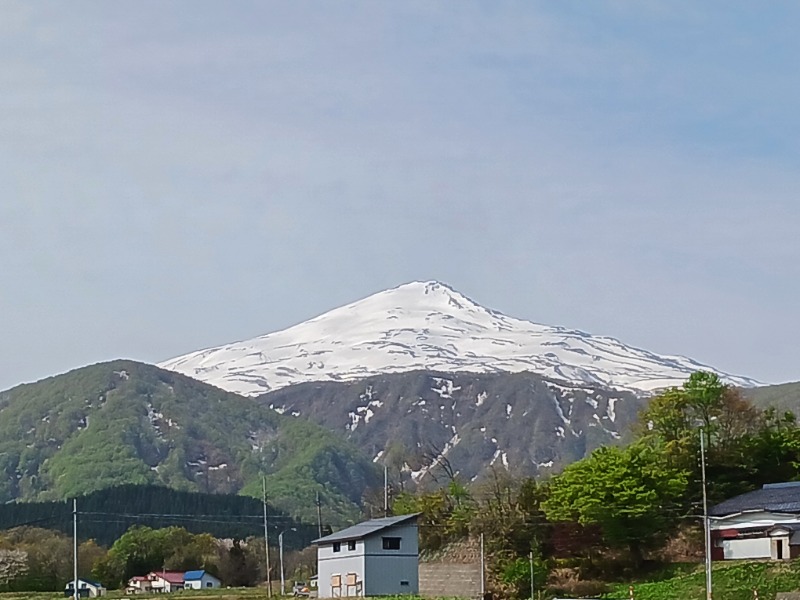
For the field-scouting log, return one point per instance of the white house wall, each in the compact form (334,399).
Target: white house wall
(330,563)
(747,548)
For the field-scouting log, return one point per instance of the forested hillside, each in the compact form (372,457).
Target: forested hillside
(782,397)
(106,514)
(126,422)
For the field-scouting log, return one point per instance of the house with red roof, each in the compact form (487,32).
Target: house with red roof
(156,581)
(139,584)
(167,581)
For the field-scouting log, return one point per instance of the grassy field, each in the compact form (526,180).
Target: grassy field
(731,581)
(221,594)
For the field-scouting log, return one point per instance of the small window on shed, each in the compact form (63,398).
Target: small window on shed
(391,543)
(337,546)
(351,545)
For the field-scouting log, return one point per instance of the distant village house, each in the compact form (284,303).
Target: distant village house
(86,589)
(164,582)
(200,580)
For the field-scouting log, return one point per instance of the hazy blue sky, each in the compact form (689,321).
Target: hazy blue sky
(177,175)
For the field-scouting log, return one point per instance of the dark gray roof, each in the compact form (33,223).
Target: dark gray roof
(773,497)
(362,530)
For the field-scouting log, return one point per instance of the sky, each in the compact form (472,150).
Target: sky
(178,175)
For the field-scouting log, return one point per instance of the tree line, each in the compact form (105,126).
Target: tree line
(105,515)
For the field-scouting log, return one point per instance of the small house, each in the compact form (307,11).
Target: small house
(200,580)
(763,523)
(379,557)
(166,581)
(140,584)
(86,589)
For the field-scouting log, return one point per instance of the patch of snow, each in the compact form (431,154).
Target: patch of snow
(446,388)
(560,411)
(481,398)
(354,419)
(611,413)
(613,434)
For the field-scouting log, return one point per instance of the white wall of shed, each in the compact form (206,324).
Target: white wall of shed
(748,548)
(330,563)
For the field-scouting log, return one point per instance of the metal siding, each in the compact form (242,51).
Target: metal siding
(753,548)
(409,540)
(387,568)
(385,572)
(380,570)
(331,563)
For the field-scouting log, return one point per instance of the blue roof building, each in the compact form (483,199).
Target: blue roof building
(200,580)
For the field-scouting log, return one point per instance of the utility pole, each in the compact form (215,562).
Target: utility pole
(385,491)
(483,572)
(266,537)
(280,551)
(319,516)
(531,557)
(75,593)
(706,527)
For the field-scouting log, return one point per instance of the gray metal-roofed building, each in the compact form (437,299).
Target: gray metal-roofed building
(764,523)
(379,557)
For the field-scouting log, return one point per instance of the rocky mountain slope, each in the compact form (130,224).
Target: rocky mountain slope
(423,423)
(429,326)
(126,422)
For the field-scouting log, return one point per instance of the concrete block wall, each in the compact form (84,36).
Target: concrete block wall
(438,580)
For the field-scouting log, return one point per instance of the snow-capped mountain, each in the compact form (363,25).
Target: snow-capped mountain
(430,326)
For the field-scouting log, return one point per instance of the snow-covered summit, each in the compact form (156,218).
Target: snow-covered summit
(428,325)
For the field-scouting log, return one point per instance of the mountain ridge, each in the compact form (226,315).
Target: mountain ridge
(430,326)
(127,422)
